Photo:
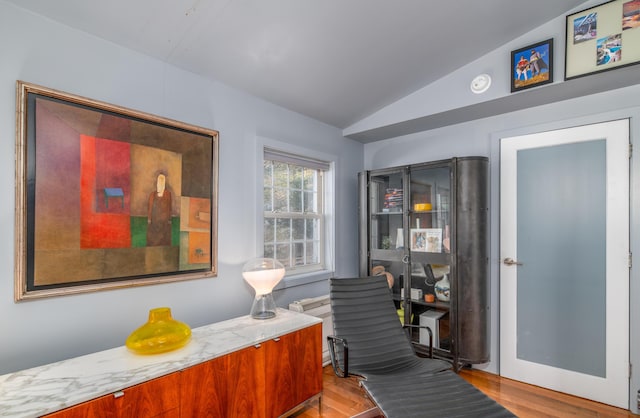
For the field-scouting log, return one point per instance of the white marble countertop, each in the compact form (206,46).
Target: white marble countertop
(49,388)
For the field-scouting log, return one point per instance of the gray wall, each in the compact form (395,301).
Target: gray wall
(482,137)
(40,51)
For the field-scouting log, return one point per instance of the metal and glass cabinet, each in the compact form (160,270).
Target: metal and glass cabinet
(425,227)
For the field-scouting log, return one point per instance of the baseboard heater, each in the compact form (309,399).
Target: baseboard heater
(320,308)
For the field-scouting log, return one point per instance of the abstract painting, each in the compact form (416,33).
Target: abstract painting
(109,197)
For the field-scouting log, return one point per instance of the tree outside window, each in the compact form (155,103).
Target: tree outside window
(293,211)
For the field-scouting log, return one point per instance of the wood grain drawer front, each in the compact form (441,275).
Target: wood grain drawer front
(293,369)
(103,407)
(153,399)
(230,386)
(203,390)
(309,362)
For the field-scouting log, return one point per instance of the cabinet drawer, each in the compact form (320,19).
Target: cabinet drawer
(146,400)
(103,407)
(151,398)
(231,386)
(293,369)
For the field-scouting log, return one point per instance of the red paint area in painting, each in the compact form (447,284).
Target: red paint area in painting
(102,230)
(113,171)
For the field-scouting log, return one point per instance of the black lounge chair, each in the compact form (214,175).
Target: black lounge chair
(370,342)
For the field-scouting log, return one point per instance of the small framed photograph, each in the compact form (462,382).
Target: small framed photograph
(602,38)
(532,66)
(428,240)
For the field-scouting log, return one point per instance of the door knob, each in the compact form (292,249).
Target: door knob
(511,262)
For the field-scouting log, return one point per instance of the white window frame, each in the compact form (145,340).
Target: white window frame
(300,276)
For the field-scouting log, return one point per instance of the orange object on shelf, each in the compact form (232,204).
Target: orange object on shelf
(422,207)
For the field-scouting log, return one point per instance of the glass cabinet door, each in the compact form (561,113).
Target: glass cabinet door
(386,203)
(387,239)
(430,246)
(430,203)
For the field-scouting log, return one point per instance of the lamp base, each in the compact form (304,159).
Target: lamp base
(264,307)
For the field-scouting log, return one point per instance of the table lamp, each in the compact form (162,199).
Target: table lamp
(263,274)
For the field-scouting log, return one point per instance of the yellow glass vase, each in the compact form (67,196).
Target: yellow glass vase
(161,333)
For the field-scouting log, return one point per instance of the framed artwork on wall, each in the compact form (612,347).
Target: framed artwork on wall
(602,38)
(109,197)
(532,66)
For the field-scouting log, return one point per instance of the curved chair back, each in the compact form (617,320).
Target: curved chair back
(365,316)
(399,382)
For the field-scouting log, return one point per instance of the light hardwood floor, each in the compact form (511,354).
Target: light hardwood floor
(344,398)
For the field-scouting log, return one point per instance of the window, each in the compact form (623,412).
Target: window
(294,210)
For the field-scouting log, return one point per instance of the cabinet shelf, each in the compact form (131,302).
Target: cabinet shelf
(431,258)
(438,304)
(388,255)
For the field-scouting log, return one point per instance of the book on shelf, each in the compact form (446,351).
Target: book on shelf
(393,200)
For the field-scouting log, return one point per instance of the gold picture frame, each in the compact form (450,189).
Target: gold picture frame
(108,197)
(602,38)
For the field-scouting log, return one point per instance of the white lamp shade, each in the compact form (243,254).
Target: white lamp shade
(263,281)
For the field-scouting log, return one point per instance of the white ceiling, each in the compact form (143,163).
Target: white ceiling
(336,61)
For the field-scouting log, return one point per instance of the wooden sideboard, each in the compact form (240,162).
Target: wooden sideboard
(238,368)
(267,380)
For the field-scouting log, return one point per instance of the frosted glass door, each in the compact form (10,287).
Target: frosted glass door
(561,289)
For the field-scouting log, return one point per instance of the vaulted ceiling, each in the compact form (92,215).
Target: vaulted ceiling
(336,61)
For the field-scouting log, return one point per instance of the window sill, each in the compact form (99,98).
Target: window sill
(303,279)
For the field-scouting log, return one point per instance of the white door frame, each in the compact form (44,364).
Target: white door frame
(617,353)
